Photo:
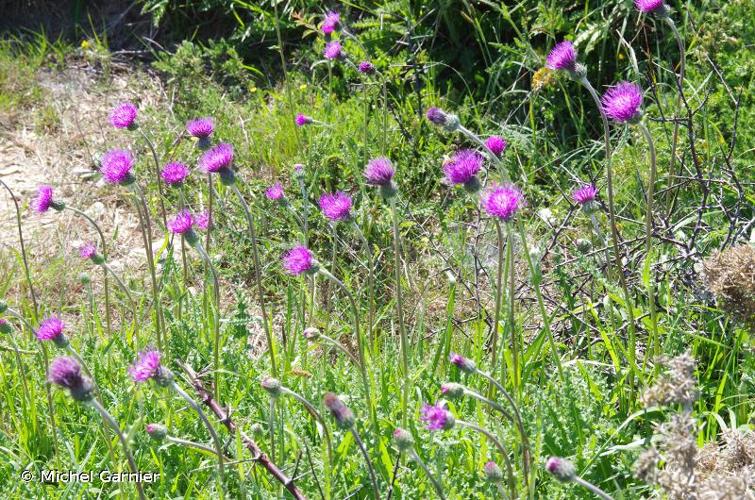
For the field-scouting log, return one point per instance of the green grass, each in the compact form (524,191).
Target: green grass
(591,415)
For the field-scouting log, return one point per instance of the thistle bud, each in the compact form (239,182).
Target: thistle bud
(311,333)
(157,432)
(4,326)
(452,390)
(272,386)
(403,439)
(562,469)
(3,306)
(341,413)
(465,364)
(493,473)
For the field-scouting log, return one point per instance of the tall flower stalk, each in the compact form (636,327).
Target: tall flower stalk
(218,160)
(379,172)
(160,433)
(22,247)
(564,471)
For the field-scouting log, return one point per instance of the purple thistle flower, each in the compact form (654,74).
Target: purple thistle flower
(203,220)
(622,103)
(51,328)
(333,50)
(66,372)
(336,206)
(217,158)
(275,192)
(116,166)
(562,56)
(174,173)
(437,417)
(503,201)
(366,67)
(585,194)
(331,22)
(561,468)
(650,6)
(123,115)
(493,473)
(463,167)
(147,366)
(88,250)
(496,144)
(181,223)
(379,172)
(44,199)
(302,119)
(157,432)
(436,115)
(201,128)
(298,260)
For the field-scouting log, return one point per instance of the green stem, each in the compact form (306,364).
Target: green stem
(370,285)
(258,278)
(438,488)
(191,444)
(406,384)
(649,235)
(680,88)
(210,428)
(373,478)
(216,320)
(512,322)
(157,174)
(116,428)
(501,449)
(498,295)
(600,493)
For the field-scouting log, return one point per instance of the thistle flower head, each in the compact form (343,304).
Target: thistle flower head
(3,306)
(452,390)
(123,115)
(464,364)
(437,417)
(158,432)
(4,326)
(463,168)
(343,416)
(203,220)
(216,159)
(496,144)
(51,328)
(66,372)
(403,439)
(623,102)
(44,200)
(148,366)
(503,201)
(379,171)
(88,250)
(181,223)
(366,67)
(446,120)
(174,173)
(585,195)
(650,6)
(272,386)
(201,128)
(302,119)
(311,333)
(336,206)
(333,50)
(493,473)
(563,56)
(562,469)
(299,260)
(331,22)
(275,192)
(116,166)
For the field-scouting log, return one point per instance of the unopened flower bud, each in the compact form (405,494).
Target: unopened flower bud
(158,432)
(493,473)
(562,469)
(84,278)
(403,439)
(4,326)
(465,364)
(341,413)
(583,245)
(311,333)
(272,386)
(452,390)
(3,306)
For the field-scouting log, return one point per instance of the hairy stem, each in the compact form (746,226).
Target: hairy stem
(438,488)
(406,384)
(649,236)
